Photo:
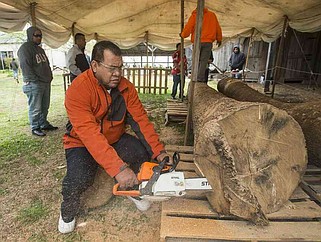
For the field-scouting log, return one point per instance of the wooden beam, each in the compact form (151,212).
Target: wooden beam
(195,58)
(73,31)
(279,56)
(248,52)
(182,52)
(146,43)
(33,13)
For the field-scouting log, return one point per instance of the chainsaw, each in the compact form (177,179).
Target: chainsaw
(159,180)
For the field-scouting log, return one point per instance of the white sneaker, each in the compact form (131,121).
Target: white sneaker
(141,204)
(64,227)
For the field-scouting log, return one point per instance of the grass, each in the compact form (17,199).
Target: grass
(30,177)
(34,212)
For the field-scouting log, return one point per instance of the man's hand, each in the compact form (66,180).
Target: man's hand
(162,156)
(126,178)
(218,43)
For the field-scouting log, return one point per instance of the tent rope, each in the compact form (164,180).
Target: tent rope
(280,67)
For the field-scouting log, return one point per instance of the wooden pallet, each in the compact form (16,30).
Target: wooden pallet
(176,111)
(311,183)
(192,219)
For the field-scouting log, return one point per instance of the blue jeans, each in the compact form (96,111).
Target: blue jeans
(15,74)
(38,94)
(176,83)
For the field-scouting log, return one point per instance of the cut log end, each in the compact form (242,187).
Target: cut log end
(253,157)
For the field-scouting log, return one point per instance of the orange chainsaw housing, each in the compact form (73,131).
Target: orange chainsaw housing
(146,171)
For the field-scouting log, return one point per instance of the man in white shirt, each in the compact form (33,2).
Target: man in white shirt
(76,58)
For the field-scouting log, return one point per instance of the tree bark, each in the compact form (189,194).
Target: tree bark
(252,154)
(308,115)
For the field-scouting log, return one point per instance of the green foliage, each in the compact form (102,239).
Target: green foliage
(3,192)
(33,213)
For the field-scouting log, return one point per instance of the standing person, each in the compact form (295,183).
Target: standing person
(99,104)
(77,61)
(176,72)
(236,62)
(14,66)
(211,31)
(37,77)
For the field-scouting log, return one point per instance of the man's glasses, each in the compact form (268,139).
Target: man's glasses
(38,35)
(112,69)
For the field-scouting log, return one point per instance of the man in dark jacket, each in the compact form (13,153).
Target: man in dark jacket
(236,62)
(37,77)
(15,67)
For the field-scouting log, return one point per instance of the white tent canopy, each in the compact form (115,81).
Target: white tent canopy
(129,23)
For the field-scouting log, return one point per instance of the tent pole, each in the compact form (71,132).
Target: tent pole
(33,13)
(73,30)
(248,53)
(267,60)
(279,56)
(146,41)
(182,53)
(195,58)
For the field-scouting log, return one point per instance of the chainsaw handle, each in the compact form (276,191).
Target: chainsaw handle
(176,159)
(132,193)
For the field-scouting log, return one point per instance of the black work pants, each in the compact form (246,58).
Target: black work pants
(205,54)
(81,171)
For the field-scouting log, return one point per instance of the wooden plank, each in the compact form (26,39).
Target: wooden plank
(313,171)
(316,179)
(186,166)
(139,76)
(303,210)
(176,114)
(173,103)
(181,149)
(160,81)
(299,194)
(313,193)
(184,157)
(210,229)
(155,80)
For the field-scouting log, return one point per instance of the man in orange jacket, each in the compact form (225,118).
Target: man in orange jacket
(211,31)
(100,103)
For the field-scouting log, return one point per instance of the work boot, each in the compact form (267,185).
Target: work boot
(49,127)
(64,227)
(38,132)
(141,204)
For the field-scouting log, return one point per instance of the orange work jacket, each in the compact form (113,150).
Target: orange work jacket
(211,29)
(99,119)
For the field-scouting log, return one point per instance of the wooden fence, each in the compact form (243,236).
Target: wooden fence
(145,80)
(148,80)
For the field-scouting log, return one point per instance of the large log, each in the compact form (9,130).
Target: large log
(252,154)
(308,115)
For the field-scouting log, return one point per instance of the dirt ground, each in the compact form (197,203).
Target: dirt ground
(118,220)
